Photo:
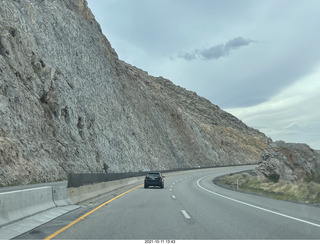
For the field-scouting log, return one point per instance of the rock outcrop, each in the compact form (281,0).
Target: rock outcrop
(68,104)
(292,162)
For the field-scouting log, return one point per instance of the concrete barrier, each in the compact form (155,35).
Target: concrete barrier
(60,196)
(20,204)
(79,194)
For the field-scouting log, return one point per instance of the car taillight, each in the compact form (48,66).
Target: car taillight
(160,179)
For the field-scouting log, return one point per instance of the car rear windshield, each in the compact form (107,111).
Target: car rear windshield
(153,175)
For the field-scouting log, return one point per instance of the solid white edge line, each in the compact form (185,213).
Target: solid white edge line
(253,206)
(185,214)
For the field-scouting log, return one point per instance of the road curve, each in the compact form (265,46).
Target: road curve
(189,207)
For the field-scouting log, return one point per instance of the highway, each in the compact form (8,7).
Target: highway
(190,207)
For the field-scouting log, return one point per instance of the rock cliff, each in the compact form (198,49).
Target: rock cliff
(68,104)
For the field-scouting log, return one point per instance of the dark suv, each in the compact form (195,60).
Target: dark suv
(154,179)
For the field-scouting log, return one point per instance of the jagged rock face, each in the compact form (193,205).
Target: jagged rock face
(68,104)
(293,162)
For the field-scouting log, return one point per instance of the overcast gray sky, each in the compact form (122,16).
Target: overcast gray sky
(257,59)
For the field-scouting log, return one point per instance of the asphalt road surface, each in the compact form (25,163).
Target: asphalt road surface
(189,207)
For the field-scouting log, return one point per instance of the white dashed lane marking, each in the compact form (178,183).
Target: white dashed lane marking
(185,214)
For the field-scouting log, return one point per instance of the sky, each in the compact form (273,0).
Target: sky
(258,60)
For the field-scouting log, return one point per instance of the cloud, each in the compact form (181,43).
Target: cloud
(290,115)
(187,56)
(216,51)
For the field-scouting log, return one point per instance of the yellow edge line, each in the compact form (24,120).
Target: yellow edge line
(87,214)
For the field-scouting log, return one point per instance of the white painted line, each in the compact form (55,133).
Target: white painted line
(185,214)
(173,196)
(253,206)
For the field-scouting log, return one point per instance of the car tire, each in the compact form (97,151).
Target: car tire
(145,186)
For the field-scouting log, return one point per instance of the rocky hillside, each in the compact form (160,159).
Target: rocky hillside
(68,104)
(291,162)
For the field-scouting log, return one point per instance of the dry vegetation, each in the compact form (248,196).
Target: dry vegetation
(305,192)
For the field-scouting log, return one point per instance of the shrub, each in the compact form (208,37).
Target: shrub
(105,167)
(274,177)
(315,177)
